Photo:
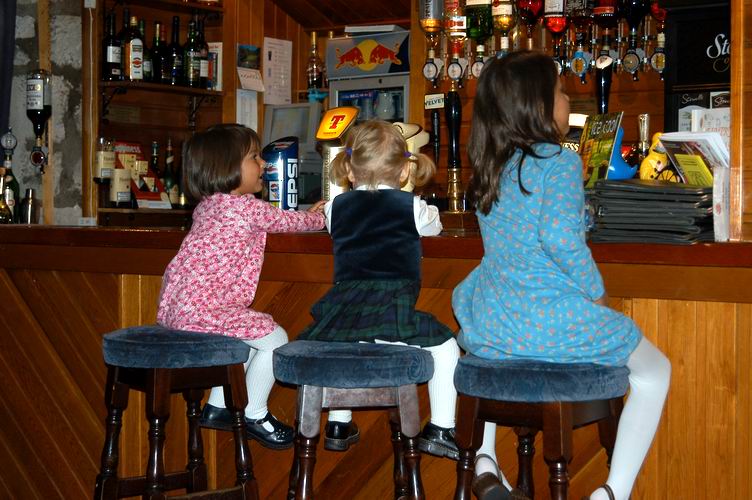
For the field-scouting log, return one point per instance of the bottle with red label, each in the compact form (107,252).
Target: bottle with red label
(556,23)
(133,52)
(455,29)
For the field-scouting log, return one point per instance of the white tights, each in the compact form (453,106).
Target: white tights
(441,391)
(649,376)
(259,376)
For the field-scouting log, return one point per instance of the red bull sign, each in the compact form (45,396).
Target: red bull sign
(371,55)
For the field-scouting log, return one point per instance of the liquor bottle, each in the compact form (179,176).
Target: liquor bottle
(641,149)
(159,60)
(111,52)
(105,164)
(175,54)
(314,67)
(633,11)
(147,64)
(529,11)
(580,13)
(124,30)
(12,190)
(38,100)
(170,177)
(504,20)
(6,216)
(556,23)
(203,55)
(133,52)
(28,210)
(192,58)
(479,21)
(455,29)
(120,188)
(431,13)
(658,59)
(154,162)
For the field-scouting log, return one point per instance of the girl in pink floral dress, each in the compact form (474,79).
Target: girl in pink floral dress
(210,284)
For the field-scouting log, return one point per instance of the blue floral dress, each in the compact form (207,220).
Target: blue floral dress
(532,294)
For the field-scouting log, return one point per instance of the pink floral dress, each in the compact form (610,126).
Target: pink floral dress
(211,282)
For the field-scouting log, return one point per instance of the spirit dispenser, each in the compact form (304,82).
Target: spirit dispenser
(479,29)
(332,128)
(529,11)
(39,110)
(658,59)
(504,19)
(633,11)
(580,13)
(556,23)
(431,16)
(604,14)
(455,29)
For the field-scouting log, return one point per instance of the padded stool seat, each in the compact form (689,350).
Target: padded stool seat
(351,375)
(533,396)
(159,361)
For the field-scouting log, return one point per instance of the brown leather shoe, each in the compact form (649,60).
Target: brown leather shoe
(609,492)
(488,486)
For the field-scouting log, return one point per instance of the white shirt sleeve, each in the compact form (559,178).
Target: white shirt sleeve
(427,220)
(328,215)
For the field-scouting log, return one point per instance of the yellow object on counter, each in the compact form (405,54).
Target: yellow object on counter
(656,165)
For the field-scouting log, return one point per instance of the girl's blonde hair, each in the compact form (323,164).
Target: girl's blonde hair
(375,153)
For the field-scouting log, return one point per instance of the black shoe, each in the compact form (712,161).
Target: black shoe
(338,436)
(438,441)
(280,438)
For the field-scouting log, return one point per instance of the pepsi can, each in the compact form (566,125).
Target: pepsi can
(281,174)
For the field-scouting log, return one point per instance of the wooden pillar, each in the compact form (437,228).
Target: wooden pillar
(45,63)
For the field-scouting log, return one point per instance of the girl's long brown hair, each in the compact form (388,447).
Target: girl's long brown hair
(513,110)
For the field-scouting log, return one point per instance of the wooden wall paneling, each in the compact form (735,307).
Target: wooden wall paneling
(741,126)
(49,422)
(743,410)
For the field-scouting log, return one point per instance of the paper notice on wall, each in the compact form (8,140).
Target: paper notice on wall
(277,69)
(247,108)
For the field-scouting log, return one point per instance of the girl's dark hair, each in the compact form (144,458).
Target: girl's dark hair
(514,109)
(213,159)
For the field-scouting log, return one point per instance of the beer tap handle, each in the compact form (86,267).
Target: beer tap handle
(435,127)
(453,109)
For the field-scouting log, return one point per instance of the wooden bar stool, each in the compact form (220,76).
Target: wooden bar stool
(352,375)
(533,396)
(159,361)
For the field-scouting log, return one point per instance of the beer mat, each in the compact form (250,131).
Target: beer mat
(653,187)
(621,236)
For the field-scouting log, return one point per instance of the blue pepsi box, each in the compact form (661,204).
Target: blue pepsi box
(281,175)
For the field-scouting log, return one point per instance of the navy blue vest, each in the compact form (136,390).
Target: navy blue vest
(374,236)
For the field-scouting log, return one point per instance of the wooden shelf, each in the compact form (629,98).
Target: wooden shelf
(159,87)
(180,5)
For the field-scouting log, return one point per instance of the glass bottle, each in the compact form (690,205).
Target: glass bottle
(148,71)
(556,23)
(175,54)
(315,67)
(154,162)
(455,29)
(28,211)
(203,55)
(529,11)
(658,59)
(133,52)
(170,175)
(580,13)
(192,58)
(431,13)
(12,190)
(111,52)
(479,21)
(633,11)
(504,20)
(105,164)
(159,58)
(6,216)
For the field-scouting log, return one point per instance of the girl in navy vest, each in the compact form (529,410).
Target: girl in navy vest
(376,230)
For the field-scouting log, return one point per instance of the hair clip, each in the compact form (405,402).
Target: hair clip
(408,154)
(348,151)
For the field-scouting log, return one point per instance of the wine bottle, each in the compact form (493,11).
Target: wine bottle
(175,54)
(38,100)
(6,216)
(154,162)
(111,52)
(160,61)
(314,67)
(12,191)
(192,58)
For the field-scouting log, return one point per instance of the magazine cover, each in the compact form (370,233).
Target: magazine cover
(596,145)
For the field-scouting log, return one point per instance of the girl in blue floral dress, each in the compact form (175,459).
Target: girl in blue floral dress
(537,293)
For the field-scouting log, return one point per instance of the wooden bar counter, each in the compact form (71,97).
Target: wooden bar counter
(63,288)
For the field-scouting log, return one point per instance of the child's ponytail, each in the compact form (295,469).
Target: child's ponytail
(339,168)
(425,168)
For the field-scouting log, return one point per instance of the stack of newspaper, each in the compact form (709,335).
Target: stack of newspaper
(649,211)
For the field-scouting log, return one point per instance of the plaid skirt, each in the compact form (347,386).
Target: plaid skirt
(367,310)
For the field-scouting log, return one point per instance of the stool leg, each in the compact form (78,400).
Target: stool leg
(236,399)
(197,476)
(398,445)
(292,484)
(309,414)
(469,436)
(407,395)
(557,446)
(157,413)
(525,454)
(116,400)
(607,427)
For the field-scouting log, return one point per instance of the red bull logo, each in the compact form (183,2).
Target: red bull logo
(367,55)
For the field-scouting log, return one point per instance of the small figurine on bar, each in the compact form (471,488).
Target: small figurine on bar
(537,295)
(376,230)
(210,284)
